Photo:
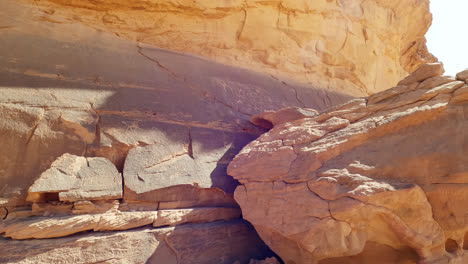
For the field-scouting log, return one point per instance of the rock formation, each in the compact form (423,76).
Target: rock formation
(380,179)
(116,137)
(352,46)
(102,134)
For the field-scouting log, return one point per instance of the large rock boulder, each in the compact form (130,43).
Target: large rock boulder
(352,46)
(383,174)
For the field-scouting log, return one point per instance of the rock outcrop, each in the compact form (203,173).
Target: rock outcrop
(378,179)
(352,46)
(218,242)
(100,133)
(67,88)
(115,150)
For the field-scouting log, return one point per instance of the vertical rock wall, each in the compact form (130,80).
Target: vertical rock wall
(353,46)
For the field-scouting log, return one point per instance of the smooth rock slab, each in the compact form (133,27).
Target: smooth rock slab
(43,227)
(395,175)
(78,178)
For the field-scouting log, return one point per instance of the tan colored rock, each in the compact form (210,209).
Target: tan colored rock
(463,75)
(52,208)
(44,227)
(435,81)
(67,94)
(350,46)
(92,207)
(198,215)
(234,240)
(389,93)
(269,119)
(424,72)
(50,227)
(460,95)
(73,178)
(392,181)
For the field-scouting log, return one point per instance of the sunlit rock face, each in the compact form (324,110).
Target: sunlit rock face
(119,119)
(353,46)
(101,133)
(381,179)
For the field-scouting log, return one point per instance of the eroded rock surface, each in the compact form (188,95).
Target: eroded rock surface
(74,178)
(352,46)
(378,178)
(67,88)
(104,133)
(218,242)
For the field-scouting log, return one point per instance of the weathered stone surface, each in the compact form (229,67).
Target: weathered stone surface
(50,227)
(198,215)
(66,93)
(460,95)
(218,242)
(82,78)
(463,75)
(75,178)
(435,81)
(424,72)
(269,119)
(349,46)
(391,181)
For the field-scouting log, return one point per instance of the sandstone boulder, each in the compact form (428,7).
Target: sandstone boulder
(390,178)
(89,93)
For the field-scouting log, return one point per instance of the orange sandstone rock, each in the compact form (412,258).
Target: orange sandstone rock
(392,179)
(356,47)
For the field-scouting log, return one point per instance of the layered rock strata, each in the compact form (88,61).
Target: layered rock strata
(218,242)
(100,133)
(352,46)
(378,179)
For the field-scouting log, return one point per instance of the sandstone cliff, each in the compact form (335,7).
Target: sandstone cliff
(101,134)
(352,46)
(380,179)
(115,150)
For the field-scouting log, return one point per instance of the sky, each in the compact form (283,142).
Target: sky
(447,38)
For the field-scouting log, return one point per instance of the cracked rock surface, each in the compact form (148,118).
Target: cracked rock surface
(182,244)
(106,141)
(380,179)
(352,46)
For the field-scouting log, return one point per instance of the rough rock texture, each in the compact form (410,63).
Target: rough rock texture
(352,46)
(102,133)
(378,178)
(66,88)
(75,178)
(47,227)
(219,242)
